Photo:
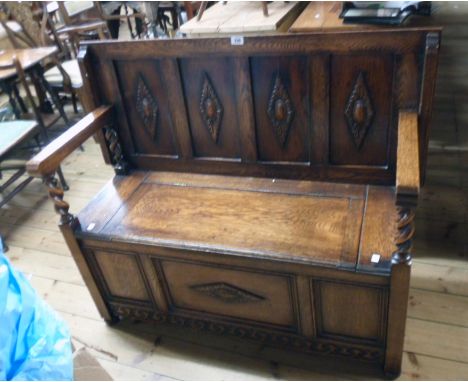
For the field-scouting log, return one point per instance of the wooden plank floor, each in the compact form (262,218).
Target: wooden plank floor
(436,344)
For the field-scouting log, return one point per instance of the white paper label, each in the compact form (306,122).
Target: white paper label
(237,40)
(375,258)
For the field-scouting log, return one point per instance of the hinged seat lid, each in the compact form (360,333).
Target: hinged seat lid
(313,222)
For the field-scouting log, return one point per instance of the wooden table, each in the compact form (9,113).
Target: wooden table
(27,57)
(30,59)
(320,15)
(325,16)
(12,133)
(244,18)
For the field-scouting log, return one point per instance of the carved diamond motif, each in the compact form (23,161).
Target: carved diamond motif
(280,110)
(210,108)
(147,107)
(359,111)
(227,293)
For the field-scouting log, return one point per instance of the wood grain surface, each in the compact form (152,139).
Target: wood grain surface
(275,224)
(408,166)
(281,106)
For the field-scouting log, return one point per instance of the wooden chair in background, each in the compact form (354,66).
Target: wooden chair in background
(88,20)
(34,118)
(61,72)
(81,21)
(204,5)
(127,17)
(15,137)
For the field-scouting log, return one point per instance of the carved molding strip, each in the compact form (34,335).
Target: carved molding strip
(404,236)
(227,293)
(147,107)
(359,111)
(113,144)
(124,311)
(211,108)
(291,341)
(280,110)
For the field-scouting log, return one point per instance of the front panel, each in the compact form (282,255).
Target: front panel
(361,109)
(350,312)
(240,294)
(145,103)
(281,101)
(209,90)
(331,313)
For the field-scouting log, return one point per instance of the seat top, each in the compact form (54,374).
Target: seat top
(71,67)
(13,133)
(337,225)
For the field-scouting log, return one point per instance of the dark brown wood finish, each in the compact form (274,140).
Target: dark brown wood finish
(212,213)
(275,106)
(244,230)
(359,89)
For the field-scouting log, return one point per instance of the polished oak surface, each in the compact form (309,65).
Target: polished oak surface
(408,168)
(315,222)
(325,16)
(27,57)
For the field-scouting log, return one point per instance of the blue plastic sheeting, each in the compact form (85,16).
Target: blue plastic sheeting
(34,340)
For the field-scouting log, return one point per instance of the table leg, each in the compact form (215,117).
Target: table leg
(6,88)
(23,107)
(44,104)
(55,99)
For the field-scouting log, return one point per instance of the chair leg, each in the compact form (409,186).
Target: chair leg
(53,94)
(73,98)
(38,142)
(17,189)
(18,174)
(3,246)
(63,182)
(7,89)
(201,10)
(19,99)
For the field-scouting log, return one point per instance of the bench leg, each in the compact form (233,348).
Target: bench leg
(399,292)
(68,224)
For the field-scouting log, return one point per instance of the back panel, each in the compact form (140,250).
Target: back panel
(315,106)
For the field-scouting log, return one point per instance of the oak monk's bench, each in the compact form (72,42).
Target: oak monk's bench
(264,191)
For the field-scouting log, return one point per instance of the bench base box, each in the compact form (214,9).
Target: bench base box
(291,306)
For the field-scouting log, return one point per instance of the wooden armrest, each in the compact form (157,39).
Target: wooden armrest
(120,17)
(408,171)
(49,159)
(85,27)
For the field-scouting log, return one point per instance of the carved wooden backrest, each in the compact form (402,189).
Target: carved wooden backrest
(315,106)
